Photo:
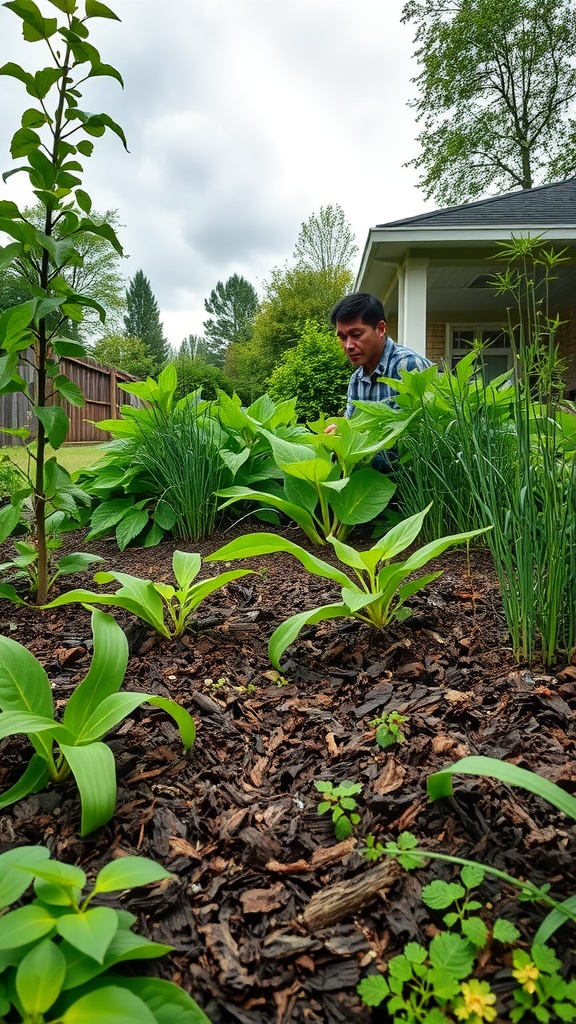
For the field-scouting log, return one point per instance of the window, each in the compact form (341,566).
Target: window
(496,355)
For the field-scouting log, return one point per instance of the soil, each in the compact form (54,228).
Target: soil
(273,920)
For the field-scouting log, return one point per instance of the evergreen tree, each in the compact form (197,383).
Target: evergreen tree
(232,306)
(142,318)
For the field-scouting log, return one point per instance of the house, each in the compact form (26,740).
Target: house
(431,272)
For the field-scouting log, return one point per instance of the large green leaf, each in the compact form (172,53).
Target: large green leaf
(440,784)
(40,977)
(140,598)
(124,946)
(33,780)
(363,498)
(24,925)
(555,919)
(106,673)
(400,536)
(127,873)
(436,547)
(293,511)
(301,493)
(355,600)
(107,714)
(15,723)
(284,635)
(91,931)
(268,543)
(314,471)
(109,1005)
(168,1003)
(186,567)
(94,770)
(55,423)
(15,867)
(24,685)
(452,954)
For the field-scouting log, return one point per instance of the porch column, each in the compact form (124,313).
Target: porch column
(412,288)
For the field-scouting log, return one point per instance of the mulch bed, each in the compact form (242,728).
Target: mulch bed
(273,920)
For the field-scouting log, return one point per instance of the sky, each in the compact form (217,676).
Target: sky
(242,117)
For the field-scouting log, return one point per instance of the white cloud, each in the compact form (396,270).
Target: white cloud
(242,117)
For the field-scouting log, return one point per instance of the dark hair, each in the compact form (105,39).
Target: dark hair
(358,305)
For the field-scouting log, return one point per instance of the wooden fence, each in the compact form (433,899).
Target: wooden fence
(103,397)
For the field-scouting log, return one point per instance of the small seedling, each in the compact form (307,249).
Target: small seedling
(340,803)
(389,728)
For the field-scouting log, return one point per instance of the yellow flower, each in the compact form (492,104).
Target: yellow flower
(477,1002)
(526,976)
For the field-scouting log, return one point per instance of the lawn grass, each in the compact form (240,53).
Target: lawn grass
(72,457)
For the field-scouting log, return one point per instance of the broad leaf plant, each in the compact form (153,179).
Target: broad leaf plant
(74,746)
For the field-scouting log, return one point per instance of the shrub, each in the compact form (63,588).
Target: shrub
(315,373)
(195,373)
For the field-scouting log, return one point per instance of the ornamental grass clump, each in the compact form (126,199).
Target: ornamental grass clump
(530,501)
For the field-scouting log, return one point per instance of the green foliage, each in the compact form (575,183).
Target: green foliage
(389,729)
(440,785)
(232,306)
(11,477)
(95,272)
(74,745)
(196,375)
(438,419)
(326,242)
(376,596)
(325,491)
(339,801)
(542,993)
(292,297)
(55,134)
(166,608)
(24,566)
(142,319)
(426,984)
(58,952)
(496,84)
(125,353)
(315,372)
(162,470)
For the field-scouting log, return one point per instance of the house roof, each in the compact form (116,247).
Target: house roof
(545,205)
(457,245)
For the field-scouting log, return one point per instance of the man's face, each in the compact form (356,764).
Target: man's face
(362,344)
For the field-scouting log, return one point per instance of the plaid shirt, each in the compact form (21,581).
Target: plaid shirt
(367,388)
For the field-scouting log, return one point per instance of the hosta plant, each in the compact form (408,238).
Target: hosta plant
(326,490)
(381,586)
(74,745)
(58,953)
(166,608)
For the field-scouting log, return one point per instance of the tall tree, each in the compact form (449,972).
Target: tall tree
(326,241)
(496,85)
(293,296)
(232,307)
(142,319)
